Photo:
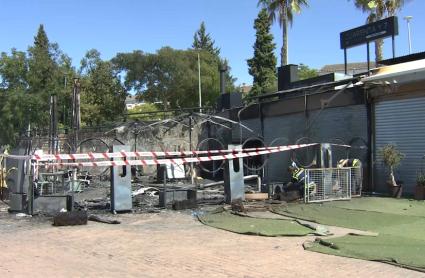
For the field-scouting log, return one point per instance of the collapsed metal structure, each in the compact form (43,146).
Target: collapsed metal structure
(218,146)
(332,116)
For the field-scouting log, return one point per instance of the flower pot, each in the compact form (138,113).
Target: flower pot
(420,192)
(395,191)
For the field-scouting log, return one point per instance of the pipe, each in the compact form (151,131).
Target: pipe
(223,70)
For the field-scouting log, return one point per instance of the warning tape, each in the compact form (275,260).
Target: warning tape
(181,160)
(124,154)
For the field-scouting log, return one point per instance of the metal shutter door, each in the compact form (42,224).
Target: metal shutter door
(401,122)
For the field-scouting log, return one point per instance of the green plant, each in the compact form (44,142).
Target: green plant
(420,179)
(392,158)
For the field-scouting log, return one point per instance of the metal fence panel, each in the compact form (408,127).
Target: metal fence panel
(356,181)
(327,184)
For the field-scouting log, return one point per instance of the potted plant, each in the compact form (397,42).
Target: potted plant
(420,187)
(392,158)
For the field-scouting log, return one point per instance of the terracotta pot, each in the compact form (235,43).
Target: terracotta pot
(420,192)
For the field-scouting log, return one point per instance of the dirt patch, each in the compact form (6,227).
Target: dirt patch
(165,244)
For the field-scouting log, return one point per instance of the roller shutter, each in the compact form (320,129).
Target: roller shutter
(401,122)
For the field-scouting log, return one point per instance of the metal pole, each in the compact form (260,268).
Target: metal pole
(64,104)
(190,147)
(165,185)
(199,84)
(368,58)
(51,124)
(54,124)
(73,185)
(393,40)
(32,179)
(223,69)
(408,18)
(345,60)
(76,119)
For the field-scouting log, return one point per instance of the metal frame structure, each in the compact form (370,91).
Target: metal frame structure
(329,184)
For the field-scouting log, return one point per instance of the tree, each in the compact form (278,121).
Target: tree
(26,82)
(203,41)
(41,77)
(13,72)
(392,158)
(263,65)
(305,72)
(102,95)
(169,77)
(48,67)
(377,10)
(283,11)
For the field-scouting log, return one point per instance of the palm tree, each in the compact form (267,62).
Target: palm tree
(378,9)
(283,11)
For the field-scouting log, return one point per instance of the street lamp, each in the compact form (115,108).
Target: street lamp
(408,18)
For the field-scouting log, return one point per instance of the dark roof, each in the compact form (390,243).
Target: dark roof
(352,68)
(403,59)
(323,86)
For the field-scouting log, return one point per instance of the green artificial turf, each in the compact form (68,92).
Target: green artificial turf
(400,224)
(254,226)
(381,204)
(401,251)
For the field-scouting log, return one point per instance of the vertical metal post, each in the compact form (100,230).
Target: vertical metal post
(223,69)
(32,179)
(345,61)
(64,111)
(408,18)
(76,117)
(54,124)
(349,178)
(73,181)
(199,84)
(306,182)
(165,185)
(50,140)
(368,57)
(393,43)
(190,147)
(265,171)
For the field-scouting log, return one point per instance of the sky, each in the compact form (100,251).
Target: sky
(114,26)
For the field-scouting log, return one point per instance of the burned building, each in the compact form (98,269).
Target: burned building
(365,112)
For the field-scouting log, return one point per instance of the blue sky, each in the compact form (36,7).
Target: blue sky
(113,26)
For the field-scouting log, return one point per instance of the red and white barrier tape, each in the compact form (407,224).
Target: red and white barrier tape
(123,154)
(182,160)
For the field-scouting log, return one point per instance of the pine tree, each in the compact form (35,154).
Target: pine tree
(47,68)
(202,40)
(41,79)
(41,63)
(263,65)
